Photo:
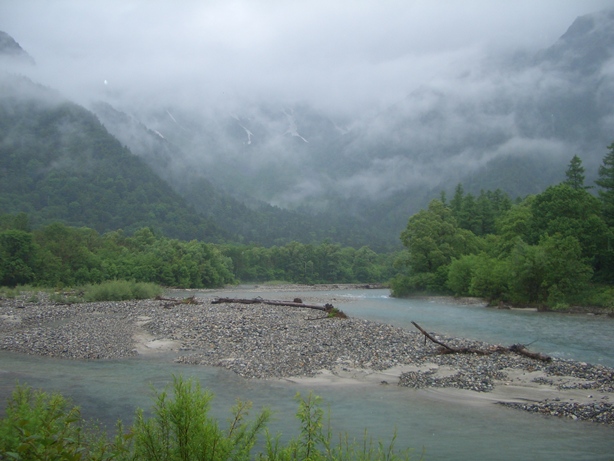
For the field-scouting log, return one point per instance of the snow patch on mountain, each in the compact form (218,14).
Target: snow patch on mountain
(249,134)
(292,128)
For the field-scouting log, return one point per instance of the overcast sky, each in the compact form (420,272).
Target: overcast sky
(334,53)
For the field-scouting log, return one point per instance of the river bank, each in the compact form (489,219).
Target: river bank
(299,345)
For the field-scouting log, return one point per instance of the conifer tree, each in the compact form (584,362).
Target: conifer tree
(575,174)
(457,201)
(606,183)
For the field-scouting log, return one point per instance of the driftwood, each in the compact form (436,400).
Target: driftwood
(271,302)
(175,302)
(516,348)
(522,350)
(328,308)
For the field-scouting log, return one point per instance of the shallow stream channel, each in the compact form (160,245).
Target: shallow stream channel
(436,425)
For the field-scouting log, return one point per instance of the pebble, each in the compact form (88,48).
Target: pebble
(596,412)
(264,342)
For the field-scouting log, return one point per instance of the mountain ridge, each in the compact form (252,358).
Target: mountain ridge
(509,123)
(58,163)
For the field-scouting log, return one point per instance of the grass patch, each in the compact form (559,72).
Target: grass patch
(120,290)
(333,312)
(8,293)
(115,290)
(66,297)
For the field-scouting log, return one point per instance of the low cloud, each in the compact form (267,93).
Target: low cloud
(412,93)
(342,56)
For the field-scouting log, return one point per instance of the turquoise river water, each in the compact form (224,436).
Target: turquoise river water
(438,428)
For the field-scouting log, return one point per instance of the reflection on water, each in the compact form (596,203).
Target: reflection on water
(109,390)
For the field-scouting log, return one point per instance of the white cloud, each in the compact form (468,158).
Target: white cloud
(342,54)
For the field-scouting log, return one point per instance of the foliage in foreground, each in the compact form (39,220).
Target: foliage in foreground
(39,426)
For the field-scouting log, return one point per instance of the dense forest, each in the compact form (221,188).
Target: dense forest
(57,255)
(554,248)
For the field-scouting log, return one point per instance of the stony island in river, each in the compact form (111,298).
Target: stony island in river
(279,342)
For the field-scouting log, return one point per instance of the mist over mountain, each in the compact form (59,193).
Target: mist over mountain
(328,159)
(510,122)
(58,163)
(11,52)
(249,219)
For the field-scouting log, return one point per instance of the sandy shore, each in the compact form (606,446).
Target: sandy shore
(519,387)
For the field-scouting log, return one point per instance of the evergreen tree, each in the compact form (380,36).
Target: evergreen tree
(457,201)
(575,174)
(606,182)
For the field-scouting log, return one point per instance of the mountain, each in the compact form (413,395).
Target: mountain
(58,163)
(272,171)
(10,50)
(585,48)
(512,122)
(251,220)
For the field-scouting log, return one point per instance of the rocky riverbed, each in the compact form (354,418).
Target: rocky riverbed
(277,342)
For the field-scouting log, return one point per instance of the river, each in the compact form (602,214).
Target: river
(425,420)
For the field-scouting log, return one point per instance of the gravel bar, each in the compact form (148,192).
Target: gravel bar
(272,342)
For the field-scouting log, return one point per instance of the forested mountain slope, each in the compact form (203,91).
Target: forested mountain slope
(251,220)
(57,162)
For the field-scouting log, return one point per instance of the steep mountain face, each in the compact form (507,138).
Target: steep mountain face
(272,153)
(512,123)
(10,50)
(251,220)
(585,48)
(504,118)
(57,162)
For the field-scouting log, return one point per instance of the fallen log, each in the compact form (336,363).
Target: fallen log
(426,335)
(270,302)
(522,350)
(177,302)
(516,348)
(328,308)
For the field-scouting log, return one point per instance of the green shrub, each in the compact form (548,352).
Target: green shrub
(599,296)
(121,290)
(39,426)
(315,441)
(182,429)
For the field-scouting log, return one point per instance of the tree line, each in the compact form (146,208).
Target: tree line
(60,255)
(310,263)
(555,248)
